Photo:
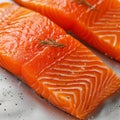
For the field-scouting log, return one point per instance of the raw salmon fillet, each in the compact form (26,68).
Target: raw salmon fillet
(100,27)
(70,77)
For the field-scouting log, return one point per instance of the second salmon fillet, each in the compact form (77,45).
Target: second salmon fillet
(95,21)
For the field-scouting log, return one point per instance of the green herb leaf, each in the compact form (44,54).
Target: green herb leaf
(51,42)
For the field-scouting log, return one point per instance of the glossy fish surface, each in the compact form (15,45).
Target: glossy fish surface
(63,71)
(97,22)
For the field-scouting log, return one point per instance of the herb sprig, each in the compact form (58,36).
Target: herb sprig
(85,2)
(51,42)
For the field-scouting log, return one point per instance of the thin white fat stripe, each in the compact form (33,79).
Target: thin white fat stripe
(110,23)
(82,67)
(73,60)
(85,82)
(103,23)
(64,88)
(62,74)
(83,51)
(110,35)
(47,78)
(108,18)
(79,59)
(96,65)
(90,55)
(49,83)
(98,23)
(65,69)
(57,79)
(110,31)
(113,13)
(101,68)
(87,75)
(53,78)
(106,28)
(78,65)
(70,65)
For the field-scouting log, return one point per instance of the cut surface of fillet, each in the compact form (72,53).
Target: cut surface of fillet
(70,77)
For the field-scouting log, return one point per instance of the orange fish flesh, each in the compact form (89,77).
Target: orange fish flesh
(98,24)
(70,77)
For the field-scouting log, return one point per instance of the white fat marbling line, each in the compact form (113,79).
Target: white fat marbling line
(114,36)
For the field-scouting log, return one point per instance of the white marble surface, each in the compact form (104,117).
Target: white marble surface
(19,102)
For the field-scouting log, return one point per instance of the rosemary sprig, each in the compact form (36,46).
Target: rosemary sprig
(85,2)
(51,42)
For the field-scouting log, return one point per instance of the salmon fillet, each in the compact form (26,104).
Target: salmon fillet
(70,77)
(20,33)
(99,25)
